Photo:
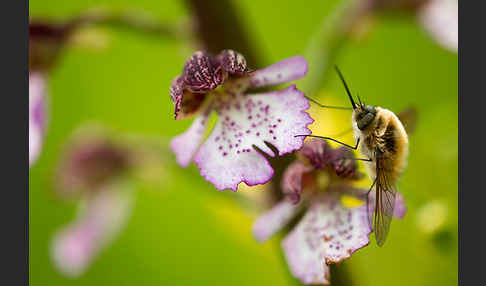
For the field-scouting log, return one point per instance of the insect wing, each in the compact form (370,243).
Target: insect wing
(408,117)
(385,201)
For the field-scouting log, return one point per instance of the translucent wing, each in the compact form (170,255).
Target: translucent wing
(408,117)
(385,200)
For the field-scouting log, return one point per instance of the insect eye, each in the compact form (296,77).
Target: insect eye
(370,109)
(365,120)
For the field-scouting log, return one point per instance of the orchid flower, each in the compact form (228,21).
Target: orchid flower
(335,221)
(221,83)
(92,172)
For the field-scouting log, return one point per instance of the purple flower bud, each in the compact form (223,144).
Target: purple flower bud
(319,153)
(233,62)
(202,72)
(344,164)
(90,163)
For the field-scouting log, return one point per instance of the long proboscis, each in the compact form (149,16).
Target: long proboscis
(345,86)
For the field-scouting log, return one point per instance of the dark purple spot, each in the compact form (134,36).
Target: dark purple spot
(227,118)
(279,120)
(271,131)
(220,148)
(258,134)
(275,126)
(233,123)
(230,146)
(224,154)
(247,131)
(274,138)
(250,117)
(236,145)
(238,152)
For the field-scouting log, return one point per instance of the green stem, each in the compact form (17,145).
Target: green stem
(325,45)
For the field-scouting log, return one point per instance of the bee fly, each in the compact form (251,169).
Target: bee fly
(384,144)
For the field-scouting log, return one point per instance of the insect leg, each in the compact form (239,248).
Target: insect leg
(329,138)
(368,204)
(362,159)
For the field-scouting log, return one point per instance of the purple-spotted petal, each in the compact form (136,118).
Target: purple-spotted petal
(330,231)
(274,220)
(306,262)
(75,246)
(292,184)
(284,71)
(440,19)
(227,157)
(186,144)
(37,114)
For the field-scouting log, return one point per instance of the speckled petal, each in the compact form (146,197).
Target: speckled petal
(186,144)
(75,246)
(227,157)
(274,220)
(37,114)
(284,71)
(306,263)
(329,232)
(440,19)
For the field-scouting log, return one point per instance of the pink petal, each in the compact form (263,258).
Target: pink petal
(75,246)
(284,71)
(227,157)
(328,233)
(185,145)
(399,210)
(274,220)
(440,19)
(37,114)
(306,262)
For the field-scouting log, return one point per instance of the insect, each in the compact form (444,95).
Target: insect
(383,141)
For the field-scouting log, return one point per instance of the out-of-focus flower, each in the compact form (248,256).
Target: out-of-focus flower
(318,183)
(37,114)
(92,171)
(45,43)
(432,216)
(438,17)
(100,219)
(220,83)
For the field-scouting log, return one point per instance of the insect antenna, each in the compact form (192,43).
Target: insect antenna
(345,86)
(327,106)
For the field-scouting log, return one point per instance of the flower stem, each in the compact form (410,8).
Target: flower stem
(219,27)
(327,42)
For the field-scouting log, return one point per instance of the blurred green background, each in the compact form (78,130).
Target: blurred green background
(185,232)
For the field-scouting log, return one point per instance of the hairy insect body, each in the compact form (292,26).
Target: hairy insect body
(385,135)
